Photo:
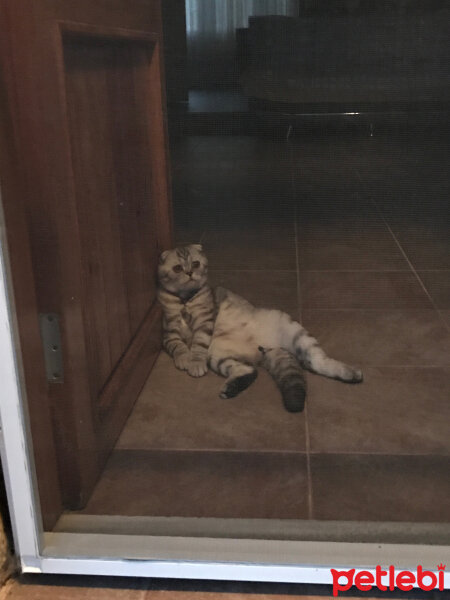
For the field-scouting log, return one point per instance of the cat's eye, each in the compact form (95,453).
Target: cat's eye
(177,268)
(196,264)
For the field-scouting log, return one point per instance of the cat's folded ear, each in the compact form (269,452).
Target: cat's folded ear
(198,247)
(164,255)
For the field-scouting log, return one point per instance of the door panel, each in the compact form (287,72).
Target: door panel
(107,114)
(24,300)
(85,92)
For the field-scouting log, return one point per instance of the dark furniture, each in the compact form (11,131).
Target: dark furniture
(363,60)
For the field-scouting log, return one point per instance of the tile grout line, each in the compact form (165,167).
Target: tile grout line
(318,452)
(414,271)
(371,270)
(253,270)
(297,262)
(307,441)
(235,451)
(260,452)
(370,309)
(392,453)
(297,270)
(299,302)
(400,247)
(308,467)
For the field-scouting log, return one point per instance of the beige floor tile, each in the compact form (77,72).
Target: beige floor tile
(445,314)
(394,411)
(175,411)
(202,484)
(426,248)
(369,247)
(437,284)
(381,337)
(381,488)
(263,248)
(341,289)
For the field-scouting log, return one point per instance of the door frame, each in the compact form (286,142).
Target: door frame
(49,266)
(234,559)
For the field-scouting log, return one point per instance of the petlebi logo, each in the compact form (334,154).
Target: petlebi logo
(388,579)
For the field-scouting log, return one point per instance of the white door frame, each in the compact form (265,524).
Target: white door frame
(157,555)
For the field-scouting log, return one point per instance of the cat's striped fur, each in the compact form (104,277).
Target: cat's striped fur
(231,336)
(288,375)
(188,308)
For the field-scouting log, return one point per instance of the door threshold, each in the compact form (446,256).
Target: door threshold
(222,559)
(432,534)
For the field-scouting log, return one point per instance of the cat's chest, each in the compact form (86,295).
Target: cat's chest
(185,322)
(185,316)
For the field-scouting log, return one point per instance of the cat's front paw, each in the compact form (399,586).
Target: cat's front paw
(182,361)
(197,367)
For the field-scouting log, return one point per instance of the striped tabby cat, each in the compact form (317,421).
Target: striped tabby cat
(225,332)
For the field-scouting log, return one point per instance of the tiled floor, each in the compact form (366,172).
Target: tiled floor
(351,234)
(60,587)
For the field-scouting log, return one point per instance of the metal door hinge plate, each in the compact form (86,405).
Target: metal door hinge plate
(51,341)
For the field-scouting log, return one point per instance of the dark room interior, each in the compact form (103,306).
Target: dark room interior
(309,155)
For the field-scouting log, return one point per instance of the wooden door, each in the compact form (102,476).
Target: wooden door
(84,99)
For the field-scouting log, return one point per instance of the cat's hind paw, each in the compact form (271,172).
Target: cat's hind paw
(294,398)
(358,376)
(353,376)
(236,385)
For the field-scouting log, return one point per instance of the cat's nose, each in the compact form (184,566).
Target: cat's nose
(189,273)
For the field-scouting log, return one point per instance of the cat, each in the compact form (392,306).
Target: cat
(226,333)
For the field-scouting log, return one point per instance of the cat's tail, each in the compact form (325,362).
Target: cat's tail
(288,375)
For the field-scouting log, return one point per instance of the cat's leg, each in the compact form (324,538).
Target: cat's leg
(174,345)
(202,324)
(288,375)
(239,374)
(312,357)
